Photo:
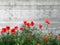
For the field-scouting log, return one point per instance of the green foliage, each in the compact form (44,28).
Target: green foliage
(22,39)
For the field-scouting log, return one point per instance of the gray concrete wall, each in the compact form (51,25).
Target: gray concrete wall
(13,12)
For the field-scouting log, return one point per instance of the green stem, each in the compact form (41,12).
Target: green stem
(47,27)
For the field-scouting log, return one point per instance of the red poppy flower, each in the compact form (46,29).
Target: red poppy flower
(32,23)
(21,28)
(37,44)
(58,37)
(45,38)
(28,37)
(16,27)
(3,30)
(47,21)
(25,22)
(40,26)
(8,27)
(13,31)
(28,24)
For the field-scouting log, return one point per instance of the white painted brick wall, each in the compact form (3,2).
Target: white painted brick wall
(13,12)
